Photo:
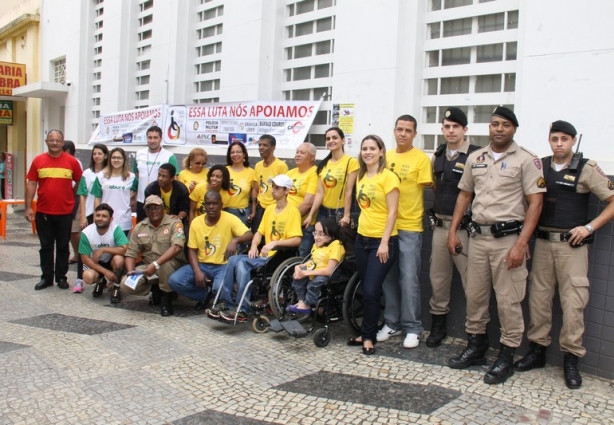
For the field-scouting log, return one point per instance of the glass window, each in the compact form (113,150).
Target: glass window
(482,113)
(510,82)
(479,140)
(318,140)
(428,142)
(430,114)
(301,94)
(303,73)
(435,4)
(305,6)
(321,118)
(457,27)
(325,24)
(488,83)
(435,30)
(304,28)
(433,58)
(321,71)
(449,4)
(431,86)
(323,47)
(323,4)
(302,51)
(319,91)
(290,31)
(490,53)
(290,10)
(495,22)
(459,56)
(454,85)
(511,51)
(512,19)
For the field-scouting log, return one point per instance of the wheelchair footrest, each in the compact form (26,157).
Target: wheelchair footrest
(294,328)
(275,326)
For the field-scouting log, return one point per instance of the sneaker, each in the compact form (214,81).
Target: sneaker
(98,288)
(214,312)
(385,333)
(411,341)
(116,296)
(229,316)
(78,288)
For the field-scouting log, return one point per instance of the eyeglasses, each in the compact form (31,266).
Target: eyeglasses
(117,158)
(319,234)
(199,163)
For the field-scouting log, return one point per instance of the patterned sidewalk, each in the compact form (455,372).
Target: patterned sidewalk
(72,359)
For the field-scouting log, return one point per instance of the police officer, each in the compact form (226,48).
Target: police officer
(448,165)
(160,240)
(507,181)
(561,250)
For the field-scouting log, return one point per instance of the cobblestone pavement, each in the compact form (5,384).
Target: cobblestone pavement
(71,359)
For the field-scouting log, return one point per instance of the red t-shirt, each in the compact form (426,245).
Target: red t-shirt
(54,177)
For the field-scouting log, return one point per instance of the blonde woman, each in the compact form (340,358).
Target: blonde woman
(194,170)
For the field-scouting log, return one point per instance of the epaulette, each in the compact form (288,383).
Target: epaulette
(528,151)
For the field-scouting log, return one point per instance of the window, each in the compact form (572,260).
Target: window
(145,35)
(301,94)
(428,142)
(59,71)
(435,30)
(510,82)
(97,76)
(303,73)
(511,50)
(97,63)
(97,38)
(142,95)
(205,32)
(449,4)
(146,5)
(435,5)
(99,12)
(98,25)
(433,58)
(454,85)
(490,53)
(457,27)
(206,68)
(321,118)
(140,51)
(458,56)
(96,88)
(145,20)
(305,6)
(143,65)
(482,113)
(302,51)
(325,24)
(95,114)
(430,115)
(142,80)
(321,71)
(96,101)
(323,47)
(323,4)
(488,83)
(495,22)
(97,50)
(304,29)
(431,86)
(480,140)
(512,19)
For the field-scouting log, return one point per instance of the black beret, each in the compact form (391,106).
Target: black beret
(563,127)
(506,113)
(455,115)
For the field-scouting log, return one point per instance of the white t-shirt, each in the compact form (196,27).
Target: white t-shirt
(147,164)
(88,179)
(116,192)
(91,240)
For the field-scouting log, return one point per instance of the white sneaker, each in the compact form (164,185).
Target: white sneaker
(411,341)
(385,333)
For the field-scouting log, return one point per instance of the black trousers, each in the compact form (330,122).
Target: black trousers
(54,232)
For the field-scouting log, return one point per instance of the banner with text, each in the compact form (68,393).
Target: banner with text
(128,127)
(12,76)
(222,123)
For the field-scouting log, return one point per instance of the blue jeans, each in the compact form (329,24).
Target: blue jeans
(309,290)
(240,213)
(307,241)
(238,270)
(324,212)
(402,286)
(182,280)
(372,273)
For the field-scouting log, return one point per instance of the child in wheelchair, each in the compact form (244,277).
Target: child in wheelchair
(310,276)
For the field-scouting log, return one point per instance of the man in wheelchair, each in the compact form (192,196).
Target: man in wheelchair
(281,228)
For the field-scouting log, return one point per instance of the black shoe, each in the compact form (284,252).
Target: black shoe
(63,284)
(438,331)
(573,379)
(42,285)
(201,305)
(116,296)
(503,368)
(166,302)
(98,288)
(155,297)
(474,354)
(535,358)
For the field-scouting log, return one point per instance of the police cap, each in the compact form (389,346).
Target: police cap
(563,127)
(508,114)
(455,115)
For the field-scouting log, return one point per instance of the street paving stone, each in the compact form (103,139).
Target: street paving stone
(72,359)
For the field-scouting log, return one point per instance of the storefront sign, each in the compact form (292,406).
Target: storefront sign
(12,75)
(6,112)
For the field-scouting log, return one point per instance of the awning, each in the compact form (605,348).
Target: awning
(42,90)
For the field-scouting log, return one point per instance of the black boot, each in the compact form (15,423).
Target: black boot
(438,330)
(155,298)
(474,354)
(166,303)
(503,367)
(535,358)
(573,380)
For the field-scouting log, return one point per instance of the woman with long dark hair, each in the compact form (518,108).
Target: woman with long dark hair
(242,183)
(218,179)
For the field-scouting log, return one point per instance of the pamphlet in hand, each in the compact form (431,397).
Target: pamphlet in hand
(133,279)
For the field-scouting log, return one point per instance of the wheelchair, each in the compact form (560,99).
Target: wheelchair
(336,302)
(259,287)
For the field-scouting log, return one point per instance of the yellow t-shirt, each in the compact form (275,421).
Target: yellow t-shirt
(304,183)
(263,174)
(333,176)
(166,199)
(371,197)
(198,196)
(414,169)
(280,226)
(211,241)
(240,187)
(321,256)
(186,177)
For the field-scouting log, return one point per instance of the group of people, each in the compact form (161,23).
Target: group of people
(489,202)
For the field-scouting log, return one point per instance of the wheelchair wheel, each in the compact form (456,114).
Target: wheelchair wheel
(260,324)
(353,305)
(321,338)
(281,293)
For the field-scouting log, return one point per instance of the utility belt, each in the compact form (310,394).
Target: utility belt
(497,230)
(562,237)
(435,221)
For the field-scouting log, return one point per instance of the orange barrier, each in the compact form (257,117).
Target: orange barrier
(3,206)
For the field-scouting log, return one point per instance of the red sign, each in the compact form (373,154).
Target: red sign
(12,76)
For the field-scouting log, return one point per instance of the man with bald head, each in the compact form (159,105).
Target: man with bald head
(304,188)
(51,177)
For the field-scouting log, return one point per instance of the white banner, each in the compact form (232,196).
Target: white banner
(127,127)
(221,123)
